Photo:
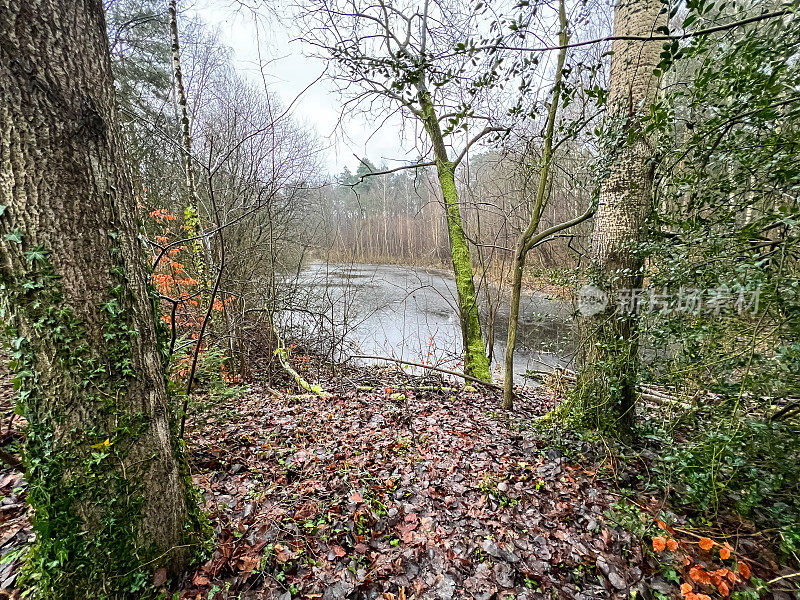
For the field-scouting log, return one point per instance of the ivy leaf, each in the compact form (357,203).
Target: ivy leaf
(14,236)
(37,254)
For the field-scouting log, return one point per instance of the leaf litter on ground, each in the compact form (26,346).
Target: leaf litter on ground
(401,488)
(390,489)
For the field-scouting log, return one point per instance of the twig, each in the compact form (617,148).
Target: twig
(210,308)
(639,38)
(790,576)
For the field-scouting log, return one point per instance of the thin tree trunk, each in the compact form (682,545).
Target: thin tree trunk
(606,391)
(107,479)
(202,246)
(476,363)
(536,213)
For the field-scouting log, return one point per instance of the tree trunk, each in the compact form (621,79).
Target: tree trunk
(523,246)
(476,363)
(108,484)
(606,391)
(201,247)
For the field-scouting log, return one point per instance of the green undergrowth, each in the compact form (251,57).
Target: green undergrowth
(746,465)
(710,469)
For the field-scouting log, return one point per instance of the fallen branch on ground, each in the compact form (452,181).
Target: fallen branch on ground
(437,369)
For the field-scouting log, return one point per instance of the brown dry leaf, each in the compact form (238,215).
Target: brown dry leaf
(160,577)
(249,563)
(282,554)
(307,510)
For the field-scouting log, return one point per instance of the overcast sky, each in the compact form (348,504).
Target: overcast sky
(288,72)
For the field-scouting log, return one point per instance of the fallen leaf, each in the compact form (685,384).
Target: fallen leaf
(672,544)
(306,511)
(282,554)
(249,563)
(744,569)
(159,577)
(699,574)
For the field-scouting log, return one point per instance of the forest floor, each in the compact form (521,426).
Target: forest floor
(415,492)
(404,488)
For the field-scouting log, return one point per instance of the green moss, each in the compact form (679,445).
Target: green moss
(476,363)
(605,395)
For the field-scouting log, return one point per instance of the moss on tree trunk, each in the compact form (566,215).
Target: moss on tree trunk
(108,483)
(476,362)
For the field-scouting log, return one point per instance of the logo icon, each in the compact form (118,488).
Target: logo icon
(591,300)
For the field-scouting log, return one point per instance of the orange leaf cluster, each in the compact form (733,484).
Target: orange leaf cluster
(688,593)
(723,579)
(662,543)
(161,214)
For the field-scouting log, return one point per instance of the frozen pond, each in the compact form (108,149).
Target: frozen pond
(410,313)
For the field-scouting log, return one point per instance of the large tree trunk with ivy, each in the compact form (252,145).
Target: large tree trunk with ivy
(107,481)
(476,363)
(606,390)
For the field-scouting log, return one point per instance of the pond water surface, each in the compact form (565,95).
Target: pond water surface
(410,313)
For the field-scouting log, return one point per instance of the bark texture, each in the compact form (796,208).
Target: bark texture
(607,389)
(106,476)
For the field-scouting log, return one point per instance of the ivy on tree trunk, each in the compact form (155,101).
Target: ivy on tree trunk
(108,483)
